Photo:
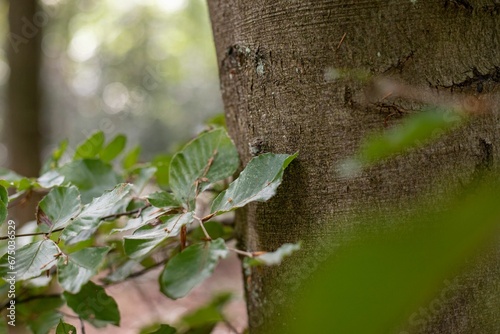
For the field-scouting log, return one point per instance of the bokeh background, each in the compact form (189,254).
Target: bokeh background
(144,68)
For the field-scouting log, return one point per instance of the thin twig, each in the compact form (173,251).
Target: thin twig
(229,325)
(69,315)
(32,234)
(138,273)
(341,40)
(207,217)
(237,251)
(29,299)
(126,213)
(203,228)
(203,177)
(82,325)
(116,215)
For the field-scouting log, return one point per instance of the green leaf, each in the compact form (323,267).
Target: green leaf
(53,161)
(51,179)
(122,272)
(210,314)
(257,182)
(64,328)
(92,177)
(79,267)
(3,325)
(113,149)
(30,260)
(23,184)
(396,271)
(415,131)
(90,147)
(162,199)
(190,267)
(89,219)
(217,120)
(148,237)
(131,157)
(207,159)
(44,322)
(142,178)
(94,305)
(59,151)
(40,315)
(147,215)
(162,164)
(4,201)
(164,329)
(273,258)
(4,196)
(8,177)
(214,229)
(58,208)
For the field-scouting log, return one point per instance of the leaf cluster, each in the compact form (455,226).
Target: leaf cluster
(120,218)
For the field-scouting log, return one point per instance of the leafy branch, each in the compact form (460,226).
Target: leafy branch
(79,201)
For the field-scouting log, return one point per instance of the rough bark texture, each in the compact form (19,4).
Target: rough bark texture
(21,132)
(272,58)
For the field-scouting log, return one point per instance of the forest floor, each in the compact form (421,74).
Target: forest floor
(141,303)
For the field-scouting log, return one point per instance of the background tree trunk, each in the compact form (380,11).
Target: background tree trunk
(272,58)
(22,133)
(22,118)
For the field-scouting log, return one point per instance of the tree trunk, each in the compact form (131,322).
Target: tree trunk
(272,60)
(22,133)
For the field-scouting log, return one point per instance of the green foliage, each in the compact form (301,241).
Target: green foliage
(258,182)
(86,203)
(146,238)
(393,271)
(272,258)
(40,314)
(163,199)
(31,260)
(64,328)
(94,305)
(164,329)
(208,315)
(162,164)
(131,157)
(91,176)
(113,149)
(91,147)
(88,220)
(4,201)
(413,132)
(209,158)
(58,208)
(190,267)
(384,270)
(77,268)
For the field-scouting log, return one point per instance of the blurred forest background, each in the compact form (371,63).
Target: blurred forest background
(145,68)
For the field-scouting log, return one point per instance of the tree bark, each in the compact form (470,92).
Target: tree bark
(22,133)
(272,61)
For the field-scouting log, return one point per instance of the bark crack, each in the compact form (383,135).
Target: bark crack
(462,4)
(477,79)
(399,66)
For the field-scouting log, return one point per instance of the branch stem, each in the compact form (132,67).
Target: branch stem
(237,251)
